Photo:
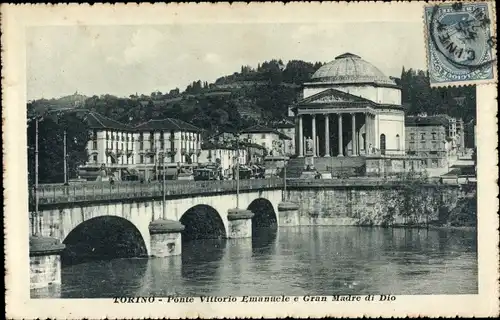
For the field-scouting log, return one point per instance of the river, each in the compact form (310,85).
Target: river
(316,260)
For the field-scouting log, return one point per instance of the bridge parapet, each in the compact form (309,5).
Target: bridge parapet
(58,194)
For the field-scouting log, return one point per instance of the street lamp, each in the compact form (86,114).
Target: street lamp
(283,196)
(34,226)
(237,170)
(163,187)
(65,160)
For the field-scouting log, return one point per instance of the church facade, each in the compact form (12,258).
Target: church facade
(349,108)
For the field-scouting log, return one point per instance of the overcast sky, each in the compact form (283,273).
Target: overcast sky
(123,60)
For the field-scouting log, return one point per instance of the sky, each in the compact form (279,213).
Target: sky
(124,60)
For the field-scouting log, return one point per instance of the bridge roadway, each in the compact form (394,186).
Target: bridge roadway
(98,191)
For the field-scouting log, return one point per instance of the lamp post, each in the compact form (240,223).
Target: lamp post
(237,170)
(163,187)
(284,172)
(65,159)
(34,224)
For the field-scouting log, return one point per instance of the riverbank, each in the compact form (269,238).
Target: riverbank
(453,228)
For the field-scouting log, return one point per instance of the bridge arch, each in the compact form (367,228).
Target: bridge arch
(264,215)
(202,222)
(103,238)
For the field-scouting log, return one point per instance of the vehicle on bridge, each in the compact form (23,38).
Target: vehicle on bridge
(258,172)
(245,172)
(208,172)
(131,175)
(172,171)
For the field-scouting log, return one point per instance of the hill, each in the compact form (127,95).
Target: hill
(245,98)
(256,95)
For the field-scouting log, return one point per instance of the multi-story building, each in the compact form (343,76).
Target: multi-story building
(430,138)
(470,134)
(255,153)
(271,139)
(226,154)
(119,147)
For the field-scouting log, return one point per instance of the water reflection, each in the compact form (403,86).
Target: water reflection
(201,258)
(264,242)
(294,261)
(104,279)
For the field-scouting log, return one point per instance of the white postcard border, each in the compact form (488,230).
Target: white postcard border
(18,303)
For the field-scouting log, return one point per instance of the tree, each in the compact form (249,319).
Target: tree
(50,144)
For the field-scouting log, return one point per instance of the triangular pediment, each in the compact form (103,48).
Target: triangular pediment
(330,96)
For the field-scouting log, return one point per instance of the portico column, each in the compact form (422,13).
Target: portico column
(354,142)
(314,133)
(301,137)
(341,142)
(327,135)
(367,130)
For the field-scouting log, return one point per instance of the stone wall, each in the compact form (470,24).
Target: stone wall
(44,271)
(365,205)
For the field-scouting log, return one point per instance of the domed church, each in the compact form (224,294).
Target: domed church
(349,108)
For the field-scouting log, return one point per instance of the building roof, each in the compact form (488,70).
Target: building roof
(350,68)
(437,120)
(167,124)
(284,124)
(98,121)
(263,129)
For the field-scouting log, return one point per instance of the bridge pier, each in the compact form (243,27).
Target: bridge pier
(240,223)
(165,238)
(288,214)
(45,261)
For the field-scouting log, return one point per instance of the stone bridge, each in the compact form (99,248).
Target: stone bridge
(131,219)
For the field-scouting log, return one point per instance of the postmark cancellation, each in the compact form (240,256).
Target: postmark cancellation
(461,43)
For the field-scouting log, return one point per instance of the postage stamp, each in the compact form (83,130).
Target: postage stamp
(250,160)
(461,43)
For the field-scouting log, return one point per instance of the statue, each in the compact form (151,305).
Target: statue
(309,144)
(277,150)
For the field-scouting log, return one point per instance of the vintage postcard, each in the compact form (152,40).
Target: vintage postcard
(250,160)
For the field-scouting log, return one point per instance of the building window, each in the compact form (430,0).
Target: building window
(263,136)
(412,136)
(398,146)
(433,136)
(422,136)
(94,144)
(141,159)
(382,143)
(94,158)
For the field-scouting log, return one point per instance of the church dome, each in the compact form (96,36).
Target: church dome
(350,68)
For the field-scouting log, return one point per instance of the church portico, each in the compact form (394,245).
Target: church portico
(336,132)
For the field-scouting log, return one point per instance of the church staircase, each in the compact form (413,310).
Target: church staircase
(295,167)
(335,165)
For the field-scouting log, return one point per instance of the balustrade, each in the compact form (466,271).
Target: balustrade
(93,191)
